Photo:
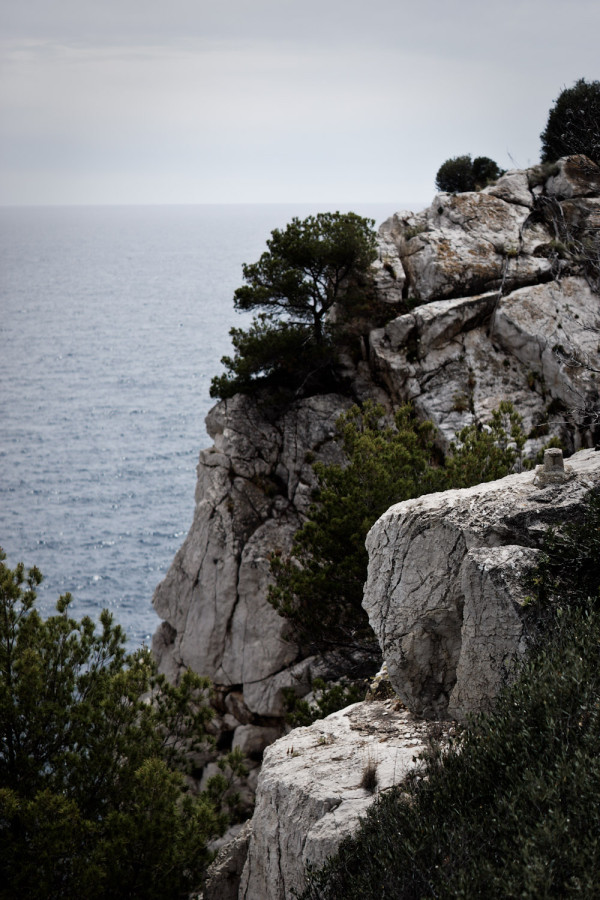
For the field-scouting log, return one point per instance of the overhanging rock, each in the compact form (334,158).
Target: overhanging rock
(445,589)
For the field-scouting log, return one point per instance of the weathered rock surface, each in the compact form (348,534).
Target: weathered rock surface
(457,359)
(576,176)
(470,243)
(500,300)
(552,330)
(310,793)
(252,487)
(223,876)
(445,584)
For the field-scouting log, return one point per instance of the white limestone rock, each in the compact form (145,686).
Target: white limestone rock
(266,697)
(440,357)
(224,873)
(253,487)
(251,740)
(387,269)
(309,794)
(445,583)
(553,330)
(467,244)
(512,187)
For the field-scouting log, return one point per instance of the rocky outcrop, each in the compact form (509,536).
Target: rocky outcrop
(445,596)
(456,360)
(224,874)
(253,486)
(506,305)
(498,298)
(445,587)
(314,786)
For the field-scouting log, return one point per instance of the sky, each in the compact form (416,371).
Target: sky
(266,101)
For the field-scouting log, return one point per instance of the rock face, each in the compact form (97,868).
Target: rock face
(311,791)
(445,584)
(502,309)
(498,297)
(470,243)
(253,486)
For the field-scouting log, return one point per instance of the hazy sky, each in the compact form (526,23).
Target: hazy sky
(186,101)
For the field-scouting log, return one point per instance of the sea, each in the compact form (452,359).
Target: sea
(113,320)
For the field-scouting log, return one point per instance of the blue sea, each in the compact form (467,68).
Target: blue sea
(113,321)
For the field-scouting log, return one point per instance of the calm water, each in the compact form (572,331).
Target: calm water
(112,322)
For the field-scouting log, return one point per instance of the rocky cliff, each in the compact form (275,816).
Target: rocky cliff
(445,596)
(497,298)
(500,309)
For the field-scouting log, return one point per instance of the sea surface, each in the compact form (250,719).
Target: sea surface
(113,321)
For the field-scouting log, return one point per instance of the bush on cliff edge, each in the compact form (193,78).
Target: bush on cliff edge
(573,124)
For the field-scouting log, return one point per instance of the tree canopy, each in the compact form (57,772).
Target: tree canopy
(309,266)
(573,124)
(92,796)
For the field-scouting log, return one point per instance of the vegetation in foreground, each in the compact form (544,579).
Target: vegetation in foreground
(93,801)
(512,808)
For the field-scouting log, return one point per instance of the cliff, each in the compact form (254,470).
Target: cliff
(499,311)
(497,295)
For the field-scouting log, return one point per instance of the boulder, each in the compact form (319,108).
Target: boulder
(552,329)
(251,740)
(311,791)
(445,591)
(467,244)
(267,697)
(441,359)
(388,271)
(512,187)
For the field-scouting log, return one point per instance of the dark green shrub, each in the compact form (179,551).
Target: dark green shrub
(319,588)
(461,173)
(485,171)
(573,124)
(308,267)
(93,801)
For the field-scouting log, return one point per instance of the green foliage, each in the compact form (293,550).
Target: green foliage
(267,351)
(328,699)
(461,173)
(569,570)
(485,453)
(512,807)
(485,171)
(319,588)
(573,124)
(92,803)
(309,266)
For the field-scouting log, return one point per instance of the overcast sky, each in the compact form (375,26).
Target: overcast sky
(186,101)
